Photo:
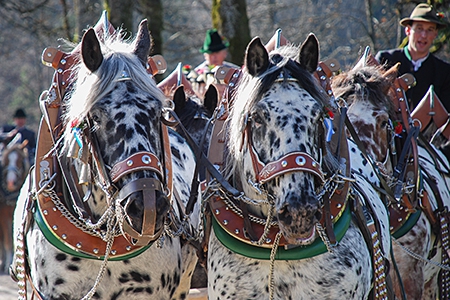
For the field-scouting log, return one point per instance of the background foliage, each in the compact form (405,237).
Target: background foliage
(344,28)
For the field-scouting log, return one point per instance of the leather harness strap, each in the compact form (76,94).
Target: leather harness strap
(292,162)
(136,162)
(430,110)
(370,230)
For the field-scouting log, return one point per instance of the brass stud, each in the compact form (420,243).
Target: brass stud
(95,250)
(217,211)
(130,163)
(78,245)
(225,222)
(284,164)
(45,212)
(55,227)
(64,236)
(128,248)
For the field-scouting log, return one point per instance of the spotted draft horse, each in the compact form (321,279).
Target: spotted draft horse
(14,169)
(116,229)
(417,227)
(264,242)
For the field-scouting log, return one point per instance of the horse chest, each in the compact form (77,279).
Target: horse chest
(345,274)
(155,273)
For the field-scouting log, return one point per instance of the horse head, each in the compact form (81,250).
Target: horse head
(275,136)
(114,137)
(195,113)
(366,91)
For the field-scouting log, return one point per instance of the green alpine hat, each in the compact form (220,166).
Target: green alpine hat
(213,42)
(425,12)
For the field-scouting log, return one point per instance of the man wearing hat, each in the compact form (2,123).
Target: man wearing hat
(421,28)
(10,131)
(215,50)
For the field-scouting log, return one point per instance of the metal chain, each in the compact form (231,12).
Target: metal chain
(101,272)
(92,230)
(273,252)
(324,238)
(231,205)
(20,266)
(263,238)
(418,257)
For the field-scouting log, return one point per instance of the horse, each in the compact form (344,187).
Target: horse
(114,225)
(195,114)
(367,91)
(268,209)
(14,169)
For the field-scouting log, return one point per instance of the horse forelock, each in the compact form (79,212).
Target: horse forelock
(251,90)
(364,84)
(89,87)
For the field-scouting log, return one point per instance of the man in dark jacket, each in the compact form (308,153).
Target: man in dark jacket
(421,28)
(10,131)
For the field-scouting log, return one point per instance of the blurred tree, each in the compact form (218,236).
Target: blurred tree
(120,13)
(230,18)
(152,10)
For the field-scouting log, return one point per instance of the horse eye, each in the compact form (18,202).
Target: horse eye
(257,118)
(96,119)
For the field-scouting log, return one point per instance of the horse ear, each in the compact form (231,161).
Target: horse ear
(392,73)
(210,99)
(179,98)
(90,50)
(309,53)
(256,57)
(142,43)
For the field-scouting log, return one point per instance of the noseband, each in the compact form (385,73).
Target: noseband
(137,162)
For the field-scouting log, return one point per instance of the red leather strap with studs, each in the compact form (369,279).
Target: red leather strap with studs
(292,162)
(136,162)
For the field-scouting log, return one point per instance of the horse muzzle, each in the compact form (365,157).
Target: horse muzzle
(297,223)
(146,207)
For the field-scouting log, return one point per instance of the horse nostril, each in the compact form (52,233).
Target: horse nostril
(284,215)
